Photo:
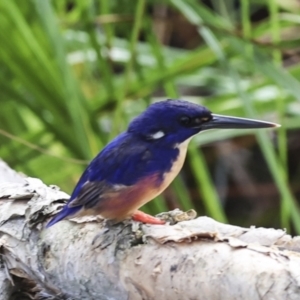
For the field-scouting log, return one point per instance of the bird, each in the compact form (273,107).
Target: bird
(140,163)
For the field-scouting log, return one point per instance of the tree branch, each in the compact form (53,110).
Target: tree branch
(194,259)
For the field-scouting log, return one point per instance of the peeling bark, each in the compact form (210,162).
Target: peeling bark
(92,259)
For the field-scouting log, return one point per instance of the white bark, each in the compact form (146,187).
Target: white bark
(194,259)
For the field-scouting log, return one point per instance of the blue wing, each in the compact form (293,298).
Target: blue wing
(124,161)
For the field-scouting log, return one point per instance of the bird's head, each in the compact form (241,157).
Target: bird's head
(174,121)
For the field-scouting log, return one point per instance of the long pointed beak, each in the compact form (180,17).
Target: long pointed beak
(225,122)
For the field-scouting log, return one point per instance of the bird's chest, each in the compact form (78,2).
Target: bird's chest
(167,168)
(162,168)
(164,165)
(176,165)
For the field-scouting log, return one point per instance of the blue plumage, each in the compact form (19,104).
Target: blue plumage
(141,162)
(124,161)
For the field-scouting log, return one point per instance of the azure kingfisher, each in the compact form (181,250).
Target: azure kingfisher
(141,162)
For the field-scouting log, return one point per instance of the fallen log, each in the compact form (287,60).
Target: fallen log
(93,259)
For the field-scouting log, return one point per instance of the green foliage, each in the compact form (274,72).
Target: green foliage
(73,74)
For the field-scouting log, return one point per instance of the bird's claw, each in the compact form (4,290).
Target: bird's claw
(145,218)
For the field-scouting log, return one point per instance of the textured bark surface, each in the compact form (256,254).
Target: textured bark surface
(193,259)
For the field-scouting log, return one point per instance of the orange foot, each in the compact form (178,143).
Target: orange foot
(145,218)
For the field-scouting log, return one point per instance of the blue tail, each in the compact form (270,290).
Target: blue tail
(65,212)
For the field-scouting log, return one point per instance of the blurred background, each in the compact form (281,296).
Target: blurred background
(73,73)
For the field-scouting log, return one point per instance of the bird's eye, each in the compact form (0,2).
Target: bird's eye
(185,121)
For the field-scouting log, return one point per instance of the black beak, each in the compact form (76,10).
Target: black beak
(225,122)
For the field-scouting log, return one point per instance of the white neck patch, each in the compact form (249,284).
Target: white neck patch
(157,135)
